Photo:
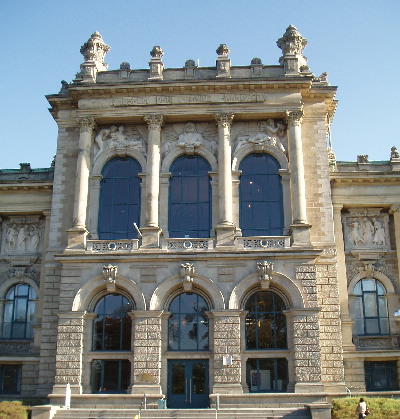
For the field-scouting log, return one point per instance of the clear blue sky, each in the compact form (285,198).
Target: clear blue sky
(355,41)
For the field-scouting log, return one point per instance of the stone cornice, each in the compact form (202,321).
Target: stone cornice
(31,186)
(364,178)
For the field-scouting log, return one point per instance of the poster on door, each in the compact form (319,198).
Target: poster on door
(260,380)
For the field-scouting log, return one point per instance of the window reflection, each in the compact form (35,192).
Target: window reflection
(188,323)
(113,325)
(19,312)
(265,321)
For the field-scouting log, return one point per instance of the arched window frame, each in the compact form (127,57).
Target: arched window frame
(20,328)
(94,184)
(180,318)
(370,308)
(261,195)
(121,201)
(200,205)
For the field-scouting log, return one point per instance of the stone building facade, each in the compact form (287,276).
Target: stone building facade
(196,236)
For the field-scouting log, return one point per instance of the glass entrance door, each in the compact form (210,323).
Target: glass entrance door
(187,384)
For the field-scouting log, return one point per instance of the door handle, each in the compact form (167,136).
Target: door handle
(190,390)
(186,390)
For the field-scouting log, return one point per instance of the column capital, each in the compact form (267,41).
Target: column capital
(294,117)
(154,121)
(224,119)
(86,124)
(394,208)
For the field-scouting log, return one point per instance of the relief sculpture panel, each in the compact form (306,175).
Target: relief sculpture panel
(22,235)
(366,228)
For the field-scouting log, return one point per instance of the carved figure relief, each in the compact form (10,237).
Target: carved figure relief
(189,139)
(22,236)
(366,228)
(118,138)
(269,132)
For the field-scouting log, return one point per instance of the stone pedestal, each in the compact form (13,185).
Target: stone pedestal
(77,238)
(300,234)
(150,236)
(225,235)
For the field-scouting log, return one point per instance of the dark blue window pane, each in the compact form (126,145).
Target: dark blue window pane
(119,204)
(190,198)
(261,201)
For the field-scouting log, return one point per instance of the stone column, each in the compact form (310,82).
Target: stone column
(300,228)
(395,210)
(77,234)
(151,231)
(147,353)
(69,353)
(306,350)
(227,378)
(347,322)
(225,228)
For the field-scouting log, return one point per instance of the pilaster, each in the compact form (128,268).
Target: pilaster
(147,352)
(395,211)
(347,323)
(69,353)
(227,378)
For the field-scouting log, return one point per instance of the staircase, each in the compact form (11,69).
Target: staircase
(248,413)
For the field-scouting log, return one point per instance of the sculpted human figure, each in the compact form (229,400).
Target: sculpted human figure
(355,236)
(33,239)
(368,233)
(379,232)
(190,136)
(12,237)
(267,134)
(100,138)
(21,240)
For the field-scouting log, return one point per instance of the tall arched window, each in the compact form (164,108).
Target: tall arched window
(189,198)
(113,326)
(19,312)
(119,204)
(188,323)
(261,201)
(370,308)
(265,321)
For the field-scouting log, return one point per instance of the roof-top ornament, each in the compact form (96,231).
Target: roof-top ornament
(93,51)
(223,62)
(156,64)
(292,45)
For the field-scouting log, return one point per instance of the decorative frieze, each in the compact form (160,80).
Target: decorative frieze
(22,235)
(104,246)
(262,243)
(187,244)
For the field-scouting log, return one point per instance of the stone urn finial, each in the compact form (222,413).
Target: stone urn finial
(93,51)
(292,45)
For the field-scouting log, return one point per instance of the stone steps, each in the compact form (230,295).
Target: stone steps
(265,413)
